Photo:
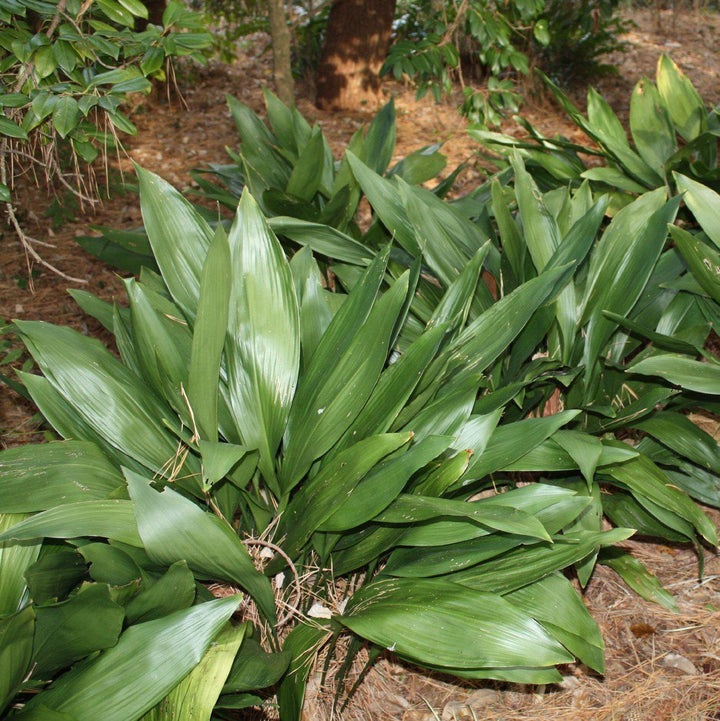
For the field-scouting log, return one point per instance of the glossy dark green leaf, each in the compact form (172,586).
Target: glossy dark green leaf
(209,337)
(16,643)
(263,343)
(35,478)
(173,528)
(681,371)
(704,203)
(685,105)
(107,519)
(651,127)
(438,622)
(174,590)
(179,238)
(148,661)
(53,575)
(322,496)
(638,577)
(70,630)
(255,668)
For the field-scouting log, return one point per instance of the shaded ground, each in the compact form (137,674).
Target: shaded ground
(660,665)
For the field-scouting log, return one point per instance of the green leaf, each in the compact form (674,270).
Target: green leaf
(88,377)
(11,129)
(513,440)
(638,577)
(35,478)
(148,661)
(319,498)
(343,372)
(70,630)
(585,450)
(255,668)
(647,482)
(53,576)
(66,115)
(681,435)
(174,590)
(107,519)
(383,484)
(702,260)
(704,203)
(322,239)
(438,622)
(194,698)
(179,237)
(136,7)
(681,371)
(16,642)
(209,337)
(684,103)
(173,528)
(651,126)
(263,346)
(15,559)
(380,139)
(306,176)
(521,566)
(556,605)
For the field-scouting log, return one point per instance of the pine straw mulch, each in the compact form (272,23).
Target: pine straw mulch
(660,665)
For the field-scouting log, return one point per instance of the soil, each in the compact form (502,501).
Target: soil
(660,665)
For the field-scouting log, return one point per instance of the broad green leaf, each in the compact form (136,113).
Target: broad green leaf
(702,260)
(337,385)
(420,166)
(54,575)
(16,642)
(490,334)
(513,244)
(513,440)
(585,449)
(380,139)
(522,566)
(106,519)
(92,380)
(436,621)
(111,565)
(15,559)
(35,478)
(255,668)
(174,590)
(322,239)
(638,577)
(136,7)
(645,480)
(263,344)
(11,129)
(383,484)
(684,103)
(489,512)
(681,371)
(385,199)
(179,237)
(66,115)
(70,630)
(556,605)
(621,265)
(322,496)
(209,337)
(704,204)
(194,698)
(681,435)
(148,661)
(173,528)
(651,126)
(306,175)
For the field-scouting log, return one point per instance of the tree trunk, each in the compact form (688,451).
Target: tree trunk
(280,34)
(357,40)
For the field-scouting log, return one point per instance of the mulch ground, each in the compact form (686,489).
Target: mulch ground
(660,665)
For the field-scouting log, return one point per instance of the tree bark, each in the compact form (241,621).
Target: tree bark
(280,34)
(357,40)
